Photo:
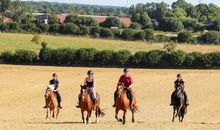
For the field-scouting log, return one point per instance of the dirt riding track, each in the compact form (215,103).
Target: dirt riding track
(22,89)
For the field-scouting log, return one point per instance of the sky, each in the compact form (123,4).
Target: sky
(124,3)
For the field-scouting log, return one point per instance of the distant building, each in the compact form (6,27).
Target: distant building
(6,20)
(44,17)
(126,21)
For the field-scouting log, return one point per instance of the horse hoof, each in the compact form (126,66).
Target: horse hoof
(133,121)
(97,120)
(120,120)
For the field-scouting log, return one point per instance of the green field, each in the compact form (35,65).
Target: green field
(13,41)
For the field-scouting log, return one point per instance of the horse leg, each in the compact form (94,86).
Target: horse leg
(58,110)
(133,116)
(116,115)
(88,119)
(53,113)
(96,114)
(124,116)
(174,109)
(83,118)
(47,114)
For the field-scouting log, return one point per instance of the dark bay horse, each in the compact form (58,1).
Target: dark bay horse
(87,105)
(52,105)
(123,103)
(179,106)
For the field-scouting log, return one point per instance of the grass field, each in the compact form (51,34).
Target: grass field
(22,89)
(13,41)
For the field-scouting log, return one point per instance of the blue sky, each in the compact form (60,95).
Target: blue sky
(130,2)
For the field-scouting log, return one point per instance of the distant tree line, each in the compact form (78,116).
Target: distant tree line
(183,18)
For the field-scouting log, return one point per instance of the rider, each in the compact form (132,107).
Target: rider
(89,83)
(55,82)
(179,82)
(126,81)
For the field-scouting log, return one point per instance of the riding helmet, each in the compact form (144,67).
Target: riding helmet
(126,70)
(90,72)
(55,75)
(179,75)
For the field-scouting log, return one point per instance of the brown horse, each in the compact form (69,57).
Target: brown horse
(122,103)
(52,105)
(87,105)
(179,106)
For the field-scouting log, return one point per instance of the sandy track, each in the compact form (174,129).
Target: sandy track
(22,89)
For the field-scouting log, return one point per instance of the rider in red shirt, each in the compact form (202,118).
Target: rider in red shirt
(126,81)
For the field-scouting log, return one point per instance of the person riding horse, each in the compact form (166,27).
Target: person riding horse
(89,83)
(179,83)
(55,83)
(127,82)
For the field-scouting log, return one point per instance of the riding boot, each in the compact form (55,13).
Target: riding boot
(58,99)
(172,99)
(45,103)
(131,98)
(187,101)
(79,101)
(115,97)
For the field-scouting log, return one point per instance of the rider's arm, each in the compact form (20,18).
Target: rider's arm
(85,82)
(93,86)
(119,82)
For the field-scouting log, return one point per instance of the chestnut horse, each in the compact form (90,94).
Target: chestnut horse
(52,104)
(122,103)
(179,106)
(87,105)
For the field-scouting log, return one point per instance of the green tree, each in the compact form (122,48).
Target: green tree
(4,7)
(111,22)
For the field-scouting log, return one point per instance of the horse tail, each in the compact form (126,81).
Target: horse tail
(100,112)
(135,109)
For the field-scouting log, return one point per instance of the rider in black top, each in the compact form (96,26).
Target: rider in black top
(55,82)
(179,82)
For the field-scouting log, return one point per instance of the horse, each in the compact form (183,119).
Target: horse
(179,106)
(52,104)
(123,103)
(86,104)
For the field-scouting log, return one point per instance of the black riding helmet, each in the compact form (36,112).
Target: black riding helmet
(90,72)
(179,75)
(126,70)
(55,75)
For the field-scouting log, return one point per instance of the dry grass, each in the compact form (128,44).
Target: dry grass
(22,89)
(13,41)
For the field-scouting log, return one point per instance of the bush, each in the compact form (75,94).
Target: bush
(104,58)
(44,27)
(177,58)
(69,28)
(140,35)
(128,34)
(210,37)
(202,60)
(9,26)
(121,58)
(85,56)
(54,28)
(106,33)
(149,34)
(135,25)
(185,37)
(7,56)
(140,59)
(24,56)
(154,57)
(84,30)
(161,38)
(215,58)
(95,31)
(190,24)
